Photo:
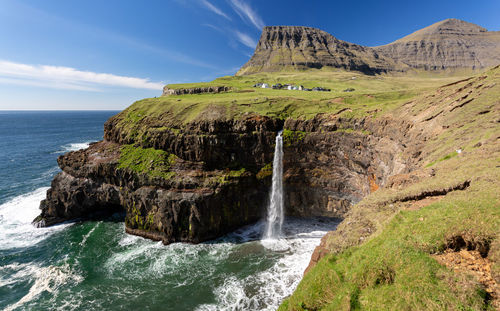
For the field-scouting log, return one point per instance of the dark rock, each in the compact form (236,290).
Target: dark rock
(196,90)
(208,194)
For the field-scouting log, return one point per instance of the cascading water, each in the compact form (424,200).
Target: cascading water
(275,210)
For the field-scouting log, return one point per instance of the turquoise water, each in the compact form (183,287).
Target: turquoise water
(94,265)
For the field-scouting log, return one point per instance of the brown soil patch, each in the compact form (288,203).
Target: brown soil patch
(424,202)
(338,100)
(472,262)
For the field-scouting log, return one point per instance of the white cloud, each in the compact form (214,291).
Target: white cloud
(247,13)
(245,39)
(214,9)
(213,27)
(68,78)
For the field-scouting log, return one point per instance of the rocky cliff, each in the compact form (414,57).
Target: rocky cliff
(196,90)
(295,47)
(211,177)
(449,44)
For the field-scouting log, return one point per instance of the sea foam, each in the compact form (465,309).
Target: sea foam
(16,216)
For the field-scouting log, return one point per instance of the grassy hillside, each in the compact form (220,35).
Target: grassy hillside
(386,254)
(372,95)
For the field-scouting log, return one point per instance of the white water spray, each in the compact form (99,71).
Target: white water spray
(275,210)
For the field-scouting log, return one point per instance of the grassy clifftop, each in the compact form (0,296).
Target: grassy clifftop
(372,95)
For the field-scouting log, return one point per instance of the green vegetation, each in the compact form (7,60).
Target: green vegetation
(394,269)
(293,137)
(374,96)
(446,157)
(155,163)
(232,174)
(381,256)
(265,171)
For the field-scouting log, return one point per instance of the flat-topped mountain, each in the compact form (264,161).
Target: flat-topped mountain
(449,44)
(296,47)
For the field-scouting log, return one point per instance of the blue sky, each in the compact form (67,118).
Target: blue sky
(59,54)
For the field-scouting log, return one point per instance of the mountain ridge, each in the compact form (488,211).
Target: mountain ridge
(300,47)
(448,44)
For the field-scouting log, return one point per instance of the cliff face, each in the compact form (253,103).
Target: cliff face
(332,163)
(295,47)
(212,177)
(449,44)
(184,194)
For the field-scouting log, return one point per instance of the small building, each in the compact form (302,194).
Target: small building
(290,87)
(265,85)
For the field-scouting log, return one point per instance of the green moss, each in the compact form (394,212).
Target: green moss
(238,173)
(155,163)
(150,220)
(292,137)
(231,174)
(265,171)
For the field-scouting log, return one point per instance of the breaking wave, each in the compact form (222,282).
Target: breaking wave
(45,279)
(271,274)
(73,147)
(16,216)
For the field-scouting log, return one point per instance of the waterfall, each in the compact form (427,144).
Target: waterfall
(275,210)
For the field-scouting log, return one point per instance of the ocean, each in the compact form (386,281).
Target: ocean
(95,265)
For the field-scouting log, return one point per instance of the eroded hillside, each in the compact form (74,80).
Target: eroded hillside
(449,202)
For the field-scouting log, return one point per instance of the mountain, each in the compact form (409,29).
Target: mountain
(296,47)
(448,44)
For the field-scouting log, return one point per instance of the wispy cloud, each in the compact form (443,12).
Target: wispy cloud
(68,78)
(247,13)
(214,9)
(213,27)
(123,40)
(245,39)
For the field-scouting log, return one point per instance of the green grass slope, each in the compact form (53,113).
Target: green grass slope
(372,95)
(382,256)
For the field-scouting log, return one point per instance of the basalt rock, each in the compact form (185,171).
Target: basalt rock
(331,164)
(197,90)
(219,178)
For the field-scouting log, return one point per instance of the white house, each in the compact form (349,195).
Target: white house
(265,85)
